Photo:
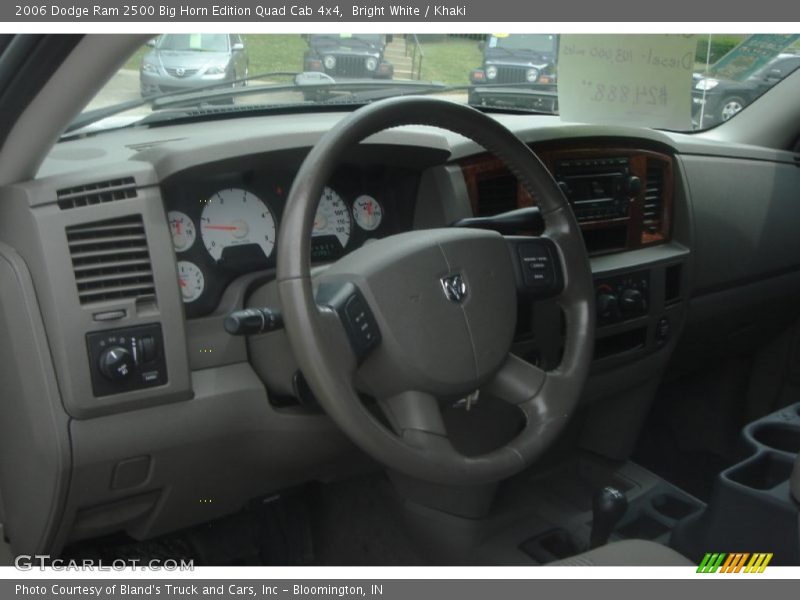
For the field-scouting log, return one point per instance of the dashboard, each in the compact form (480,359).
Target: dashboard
(224,218)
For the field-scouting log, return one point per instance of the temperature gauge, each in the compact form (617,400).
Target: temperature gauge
(191,281)
(182,229)
(367,212)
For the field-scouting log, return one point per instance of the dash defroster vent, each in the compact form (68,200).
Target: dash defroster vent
(96,193)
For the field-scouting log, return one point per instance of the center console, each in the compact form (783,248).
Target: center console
(624,201)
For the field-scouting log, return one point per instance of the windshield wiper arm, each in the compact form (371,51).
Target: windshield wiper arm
(98,114)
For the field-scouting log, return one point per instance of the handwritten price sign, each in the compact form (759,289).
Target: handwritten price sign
(631,79)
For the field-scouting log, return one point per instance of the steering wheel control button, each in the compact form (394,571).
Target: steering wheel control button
(127,359)
(539,266)
(361,325)
(252,321)
(354,313)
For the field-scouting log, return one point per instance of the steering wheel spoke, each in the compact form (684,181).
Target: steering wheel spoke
(417,419)
(413,410)
(517,382)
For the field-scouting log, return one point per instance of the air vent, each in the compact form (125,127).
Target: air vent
(97,193)
(653,195)
(497,195)
(110,259)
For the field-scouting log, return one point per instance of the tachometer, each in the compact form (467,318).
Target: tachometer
(182,229)
(333,217)
(367,212)
(234,217)
(191,281)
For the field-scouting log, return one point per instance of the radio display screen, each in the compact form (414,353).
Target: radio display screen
(593,187)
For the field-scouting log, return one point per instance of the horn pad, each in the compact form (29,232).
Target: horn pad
(445,303)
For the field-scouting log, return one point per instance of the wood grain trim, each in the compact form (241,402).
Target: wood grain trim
(639,234)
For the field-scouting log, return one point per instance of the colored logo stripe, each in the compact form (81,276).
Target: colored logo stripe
(758,563)
(734,562)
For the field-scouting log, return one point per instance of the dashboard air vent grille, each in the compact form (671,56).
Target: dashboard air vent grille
(497,195)
(654,194)
(96,193)
(111,260)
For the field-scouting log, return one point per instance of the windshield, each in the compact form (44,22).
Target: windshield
(198,42)
(673,82)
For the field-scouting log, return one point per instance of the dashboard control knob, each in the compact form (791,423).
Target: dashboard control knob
(607,307)
(116,363)
(663,331)
(632,302)
(633,186)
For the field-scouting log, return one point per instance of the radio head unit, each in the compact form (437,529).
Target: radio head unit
(598,189)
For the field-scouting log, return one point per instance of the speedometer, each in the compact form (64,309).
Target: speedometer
(234,217)
(333,217)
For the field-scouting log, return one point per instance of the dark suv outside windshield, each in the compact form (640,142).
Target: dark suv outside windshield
(530,42)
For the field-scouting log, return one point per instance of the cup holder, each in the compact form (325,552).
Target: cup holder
(763,472)
(784,438)
(673,507)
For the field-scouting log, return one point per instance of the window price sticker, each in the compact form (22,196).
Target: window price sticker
(632,79)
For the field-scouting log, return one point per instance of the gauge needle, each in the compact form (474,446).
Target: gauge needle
(182,282)
(178,227)
(222,227)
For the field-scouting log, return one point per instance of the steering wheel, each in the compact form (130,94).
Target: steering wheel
(418,318)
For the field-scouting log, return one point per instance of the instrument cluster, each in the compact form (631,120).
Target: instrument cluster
(224,225)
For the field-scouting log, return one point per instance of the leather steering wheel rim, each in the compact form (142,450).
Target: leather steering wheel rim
(419,447)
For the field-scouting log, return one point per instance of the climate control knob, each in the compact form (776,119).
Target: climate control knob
(607,307)
(116,363)
(632,303)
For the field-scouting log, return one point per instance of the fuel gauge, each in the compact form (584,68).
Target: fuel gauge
(182,229)
(191,280)
(367,212)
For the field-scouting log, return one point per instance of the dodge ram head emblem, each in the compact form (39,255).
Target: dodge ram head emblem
(455,288)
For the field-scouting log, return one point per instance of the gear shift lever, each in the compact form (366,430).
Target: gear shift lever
(608,507)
